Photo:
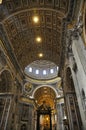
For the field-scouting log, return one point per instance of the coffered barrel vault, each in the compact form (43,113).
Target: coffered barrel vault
(22,31)
(22,35)
(42,65)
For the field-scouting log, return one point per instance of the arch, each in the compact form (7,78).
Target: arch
(56,92)
(6,81)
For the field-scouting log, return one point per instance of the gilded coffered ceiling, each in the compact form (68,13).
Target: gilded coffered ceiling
(16,17)
(45,94)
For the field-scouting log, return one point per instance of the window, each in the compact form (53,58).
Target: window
(37,71)
(57,68)
(51,71)
(44,72)
(30,69)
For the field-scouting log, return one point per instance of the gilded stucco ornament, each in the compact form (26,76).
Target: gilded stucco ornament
(28,86)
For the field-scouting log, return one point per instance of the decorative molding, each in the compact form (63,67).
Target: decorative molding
(9,7)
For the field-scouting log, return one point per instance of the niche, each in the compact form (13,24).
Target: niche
(5,82)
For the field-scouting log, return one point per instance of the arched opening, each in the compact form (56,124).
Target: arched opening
(46,108)
(5,95)
(5,82)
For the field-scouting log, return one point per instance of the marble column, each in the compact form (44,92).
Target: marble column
(60,125)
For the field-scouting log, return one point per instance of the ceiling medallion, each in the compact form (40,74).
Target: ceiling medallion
(27,87)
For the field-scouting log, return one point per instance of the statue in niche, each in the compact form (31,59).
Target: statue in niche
(25,113)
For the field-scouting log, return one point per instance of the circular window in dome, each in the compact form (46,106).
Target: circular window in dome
(42,69)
